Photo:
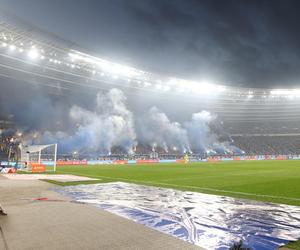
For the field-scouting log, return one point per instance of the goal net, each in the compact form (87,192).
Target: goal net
(39,158)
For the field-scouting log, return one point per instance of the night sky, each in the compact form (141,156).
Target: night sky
(240,43)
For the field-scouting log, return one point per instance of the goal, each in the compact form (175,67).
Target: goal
(39,158)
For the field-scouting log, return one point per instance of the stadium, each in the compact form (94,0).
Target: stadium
(132,158)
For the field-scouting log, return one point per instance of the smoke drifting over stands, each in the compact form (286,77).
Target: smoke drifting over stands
(108,123)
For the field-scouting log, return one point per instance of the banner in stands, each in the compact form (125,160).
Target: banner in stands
(131,161)
(147,161)
(99,162)
(167,161)
(72,162)
(120,162)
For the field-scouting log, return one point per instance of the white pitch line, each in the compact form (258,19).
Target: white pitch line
(214,176)
(230,192)
(193,187)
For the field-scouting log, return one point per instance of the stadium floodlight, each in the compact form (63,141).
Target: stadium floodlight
(123,70)
(199,88)
(12,47)
(205,88)
(80,56)
(146,79)
(96,67)
(116,69)
(33,54)
(111,68)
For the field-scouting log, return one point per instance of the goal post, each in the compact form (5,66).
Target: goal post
(39,158)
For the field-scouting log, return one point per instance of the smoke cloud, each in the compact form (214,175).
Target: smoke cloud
(111,124)
(156,129)
(107,122)
(198,129)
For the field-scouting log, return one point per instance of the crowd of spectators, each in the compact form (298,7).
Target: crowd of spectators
(266,144)
(4,148)
(248,145)
(238,128)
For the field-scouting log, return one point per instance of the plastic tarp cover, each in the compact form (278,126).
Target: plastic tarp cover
(209,221)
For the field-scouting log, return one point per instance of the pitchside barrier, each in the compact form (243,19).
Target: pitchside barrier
(45,164)
(191,159)
(38,168)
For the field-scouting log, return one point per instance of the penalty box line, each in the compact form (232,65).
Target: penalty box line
(191,187)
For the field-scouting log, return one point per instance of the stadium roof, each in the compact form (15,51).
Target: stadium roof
(34,56)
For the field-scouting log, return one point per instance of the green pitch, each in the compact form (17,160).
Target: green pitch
(273,181)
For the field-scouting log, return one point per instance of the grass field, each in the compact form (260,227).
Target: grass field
(273,181)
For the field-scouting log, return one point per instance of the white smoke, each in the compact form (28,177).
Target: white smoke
(156,129)
(111,124)
(199,133)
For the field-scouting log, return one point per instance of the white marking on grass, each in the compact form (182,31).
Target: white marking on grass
(223,175)
(192,187)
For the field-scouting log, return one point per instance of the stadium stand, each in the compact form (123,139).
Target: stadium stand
(7,130)
(269,144)
(267,128)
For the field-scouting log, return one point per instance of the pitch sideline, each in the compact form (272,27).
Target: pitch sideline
(191,187)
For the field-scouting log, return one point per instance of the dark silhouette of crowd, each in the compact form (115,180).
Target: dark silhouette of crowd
(268,144)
